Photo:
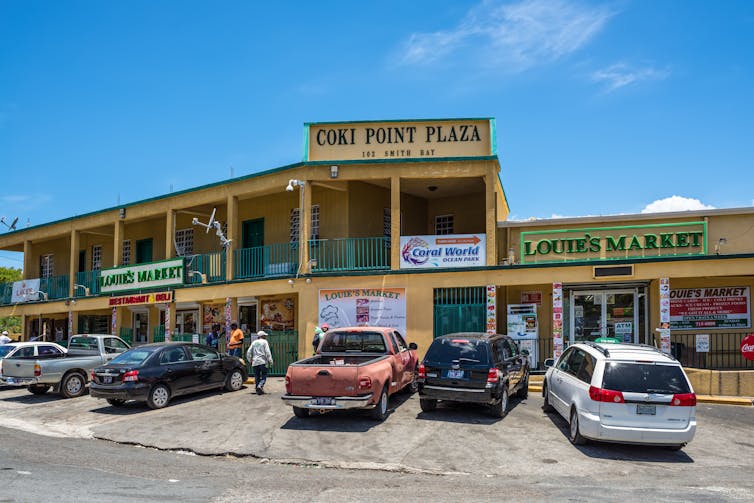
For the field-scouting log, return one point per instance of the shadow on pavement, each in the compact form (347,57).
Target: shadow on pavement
(620,452)
(132,407)
(471,413)
(31,398)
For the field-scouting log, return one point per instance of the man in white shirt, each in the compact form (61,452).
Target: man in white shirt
(4,339)
(260,357)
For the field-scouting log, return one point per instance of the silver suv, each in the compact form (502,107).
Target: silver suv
(627,393)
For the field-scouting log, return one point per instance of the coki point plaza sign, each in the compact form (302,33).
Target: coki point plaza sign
(605,243)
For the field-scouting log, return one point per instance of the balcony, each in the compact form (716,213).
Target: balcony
(87,283)
(205,268)
(56,287)
(266,261)
(349,254)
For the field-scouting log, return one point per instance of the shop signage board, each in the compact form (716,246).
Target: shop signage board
(364,307)
(443,252)
(25,291)
(747,347)
(422,139)
(557,319)
(533,297)
(710,308)
(161,274)
(141,299)
(610,243)
(702,343)
(491,309)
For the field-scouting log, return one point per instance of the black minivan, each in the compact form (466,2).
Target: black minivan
(473,367)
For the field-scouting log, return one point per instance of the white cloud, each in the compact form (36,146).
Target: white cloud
(676,203)
(622,75)
(514,36)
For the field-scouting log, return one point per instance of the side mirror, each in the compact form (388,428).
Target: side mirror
(549,362)
(412,345)
(525,352)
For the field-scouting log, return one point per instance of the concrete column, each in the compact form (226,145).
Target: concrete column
(491,217)
(28,271)
(395,223)
(75,243)
(233,235)
(305,225)
(118,235)
(169,233)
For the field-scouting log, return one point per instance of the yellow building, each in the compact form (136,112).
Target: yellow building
(404,224)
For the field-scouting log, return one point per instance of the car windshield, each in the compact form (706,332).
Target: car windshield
(356,341)
(135,356)
(645,378)
(5,350)
(458,348)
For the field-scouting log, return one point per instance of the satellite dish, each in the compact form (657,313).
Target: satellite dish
(12,226)
(211,222)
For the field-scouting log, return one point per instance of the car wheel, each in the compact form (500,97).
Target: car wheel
(39,389)
(574,434)
(427,404)
(523,391)
(116,402)
(73,385)
(547,406)
(234,381)
(301,412)
(158,397)
(500,408)
(379,413)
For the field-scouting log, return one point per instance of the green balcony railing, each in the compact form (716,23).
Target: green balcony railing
(349,254)
(158,333)
(56,287)
(264,261)
(205,267)
(127,334)
(84,280)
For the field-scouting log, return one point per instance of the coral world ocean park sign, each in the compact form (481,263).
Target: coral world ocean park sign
(152,275)
(448,251)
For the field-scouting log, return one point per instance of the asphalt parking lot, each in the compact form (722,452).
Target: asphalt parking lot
(451,440)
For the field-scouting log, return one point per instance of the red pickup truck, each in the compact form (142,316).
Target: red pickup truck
(356,367)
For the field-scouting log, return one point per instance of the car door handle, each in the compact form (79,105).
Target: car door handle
(323,373)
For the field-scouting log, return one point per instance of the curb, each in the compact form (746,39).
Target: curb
(719,400)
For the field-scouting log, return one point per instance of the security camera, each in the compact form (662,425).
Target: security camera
(195,221)
(289,188)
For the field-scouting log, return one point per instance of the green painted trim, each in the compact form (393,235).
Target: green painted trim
(706,238)
(145,263)
(306,144)
(307,124)
(619,227)
(403,159)
(493,137)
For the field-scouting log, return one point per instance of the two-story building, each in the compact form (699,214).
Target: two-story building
(399,223)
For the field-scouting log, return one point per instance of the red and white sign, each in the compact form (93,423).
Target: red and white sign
(491,309)
(747,347)
(534,297)
(711,308)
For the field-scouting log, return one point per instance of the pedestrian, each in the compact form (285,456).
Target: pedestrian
(261,358)
(213,336)
(317,338)
(235,344)
(4,339)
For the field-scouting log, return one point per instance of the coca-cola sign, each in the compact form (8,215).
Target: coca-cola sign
(747,347)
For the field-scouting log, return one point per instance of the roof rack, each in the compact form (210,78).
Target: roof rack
(656,350)
(599,348)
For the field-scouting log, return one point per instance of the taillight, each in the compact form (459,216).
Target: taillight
(92,377)
(422,371)
(605,395)
(492,375)
(684,400)
(131,376)
(365,382)
(287,384)
(37,370)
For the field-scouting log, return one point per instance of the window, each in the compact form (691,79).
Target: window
(48,351)
(27,352)
(645,378)
(448,349)
(563,362)
(402,346)
(126,252)
(444,224)
(173,355)
(587,369)
(184,242)
(505,350)
(386,226)
(573,366)
(295,222)
(96,257)
(199,353)
(46,266)
(114,346)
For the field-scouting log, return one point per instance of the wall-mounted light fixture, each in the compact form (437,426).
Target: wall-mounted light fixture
(86,289)
(308,281)
(720,242)
(200,274)
(122,213)
(291,282)
(334,171)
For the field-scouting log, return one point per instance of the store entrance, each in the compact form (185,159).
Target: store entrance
(607,315)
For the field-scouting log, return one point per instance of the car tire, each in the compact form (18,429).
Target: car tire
(427,404)
(159,396)
(235,380)
(379,413)
(116,402)
(300,412)
(547,406)
(39,389)
(574,432)
(500,407)
(523,391)
(73,385)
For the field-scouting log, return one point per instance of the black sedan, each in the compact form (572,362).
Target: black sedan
(473,368)
(155,373)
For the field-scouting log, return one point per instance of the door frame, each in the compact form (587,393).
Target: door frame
(603,310)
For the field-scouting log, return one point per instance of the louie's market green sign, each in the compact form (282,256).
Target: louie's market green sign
(605,243)
(151,275)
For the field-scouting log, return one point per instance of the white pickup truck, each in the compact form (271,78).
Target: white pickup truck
(68,373)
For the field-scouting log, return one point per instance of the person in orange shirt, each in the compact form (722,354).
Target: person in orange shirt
(235,345)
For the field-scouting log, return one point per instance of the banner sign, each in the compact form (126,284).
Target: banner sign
(491,309)
(141,298)
(557,319)
(25,291)
(711,308)
(442,252)
(134,277)
(533,297)
(363,307)
(702,343)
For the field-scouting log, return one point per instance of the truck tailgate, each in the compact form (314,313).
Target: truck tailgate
(314,380)
(18,367)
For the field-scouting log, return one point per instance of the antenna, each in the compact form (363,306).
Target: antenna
(12,226)
(211,222)
(214,224)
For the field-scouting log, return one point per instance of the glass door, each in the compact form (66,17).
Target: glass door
(141,327)
(610,315)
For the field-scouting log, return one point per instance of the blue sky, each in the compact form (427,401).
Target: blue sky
(601,107)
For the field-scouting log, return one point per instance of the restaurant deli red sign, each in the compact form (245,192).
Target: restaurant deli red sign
(710,308)
(747,347)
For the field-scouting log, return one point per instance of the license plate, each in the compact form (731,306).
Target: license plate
(646,409)
(10,380)
(323,401)
(107,379)
(455,374)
